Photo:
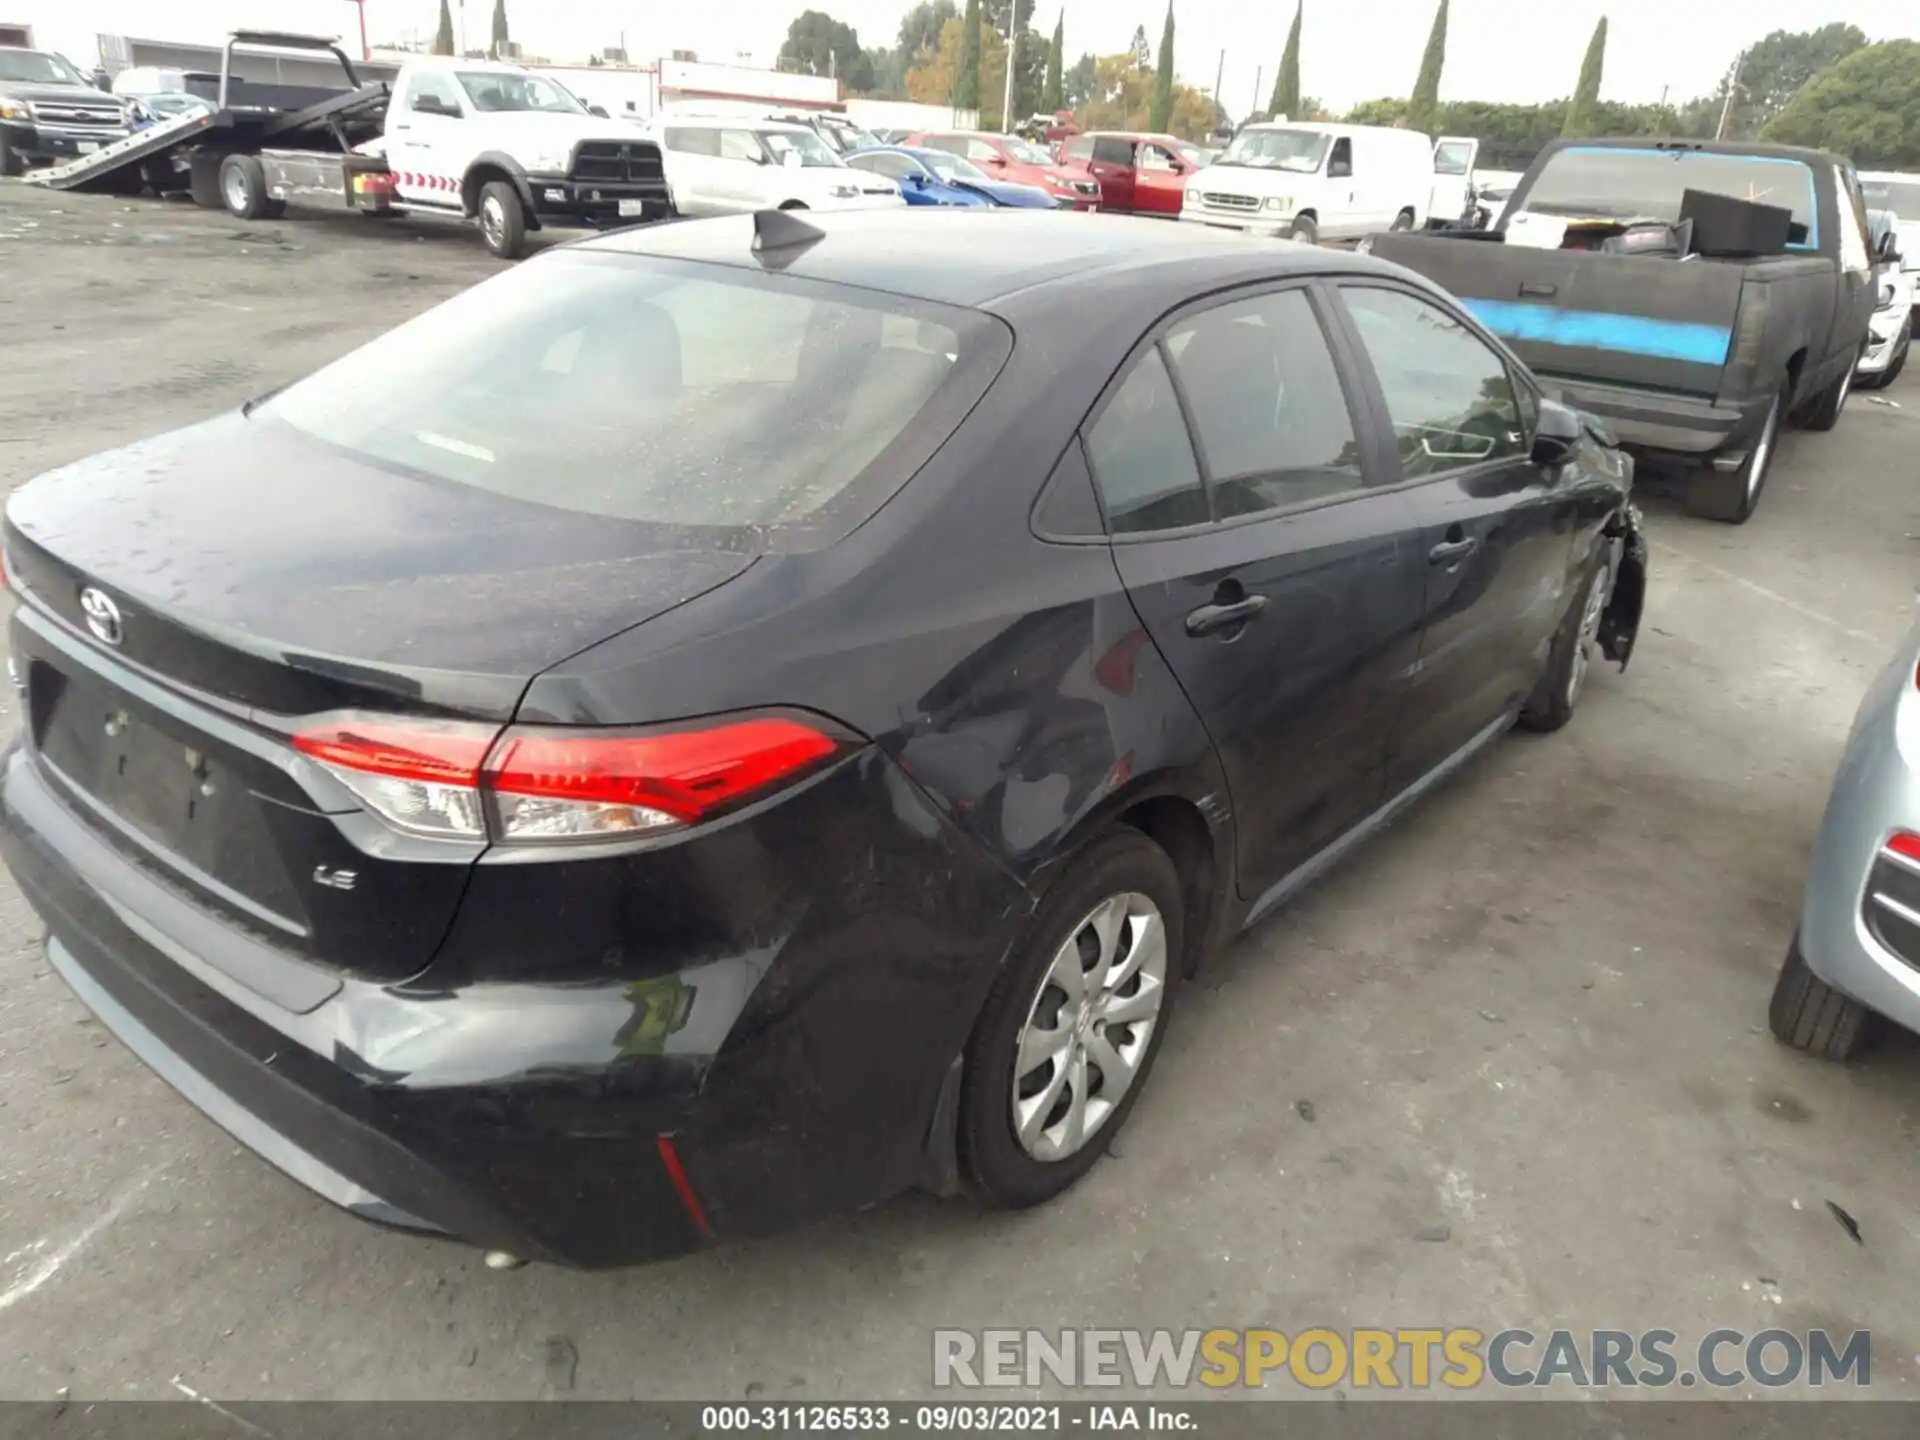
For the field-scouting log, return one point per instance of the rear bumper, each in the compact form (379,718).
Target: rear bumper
(797,1078)
(1662,425)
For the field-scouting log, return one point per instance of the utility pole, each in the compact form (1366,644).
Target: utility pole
(1733,88)
(1013,49)
(463,29)
(1258,73)
(1219,79)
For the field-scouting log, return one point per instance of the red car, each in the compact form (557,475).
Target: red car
(1146,174)
(1007,157)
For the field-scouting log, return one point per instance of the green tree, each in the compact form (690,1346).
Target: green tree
(818,44)
(966,77)
(1423,110)
(443,37)
(1583,115)
(1286,85)
(1776,68)
(920,28)
(1081,82)
(502,42)
(1863,108)
(1161,116)
(1054,95)
(1388,110)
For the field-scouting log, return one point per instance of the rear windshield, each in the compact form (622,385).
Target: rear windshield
(661,392)
(1648,184)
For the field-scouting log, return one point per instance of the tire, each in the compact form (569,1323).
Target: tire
(10,163)
(1402,221)
(1824,413)
(1306,230)
(503,220)
(1810,1015)
(1570,661)
(203,180)
(243,189)
(1731,496)
(1122,868)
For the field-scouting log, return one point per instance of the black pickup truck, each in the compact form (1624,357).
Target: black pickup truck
(49,111)
(1695,296)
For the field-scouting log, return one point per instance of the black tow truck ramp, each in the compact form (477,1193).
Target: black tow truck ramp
(246,117)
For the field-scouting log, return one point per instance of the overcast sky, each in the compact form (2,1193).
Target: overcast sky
(1352,50)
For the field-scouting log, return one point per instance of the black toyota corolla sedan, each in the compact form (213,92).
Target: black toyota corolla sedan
(729,721)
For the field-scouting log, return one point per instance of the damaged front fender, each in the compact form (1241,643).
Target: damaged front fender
(1620,624)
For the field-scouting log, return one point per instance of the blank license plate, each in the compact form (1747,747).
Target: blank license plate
(633,208)
(87,147)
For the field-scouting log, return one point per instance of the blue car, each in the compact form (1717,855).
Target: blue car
(933,177)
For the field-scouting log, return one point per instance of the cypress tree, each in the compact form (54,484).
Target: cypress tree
(1161,115)
(443,37)
(1286,85)
(1583,115)
(966,81)
(1054,96)
(1423,110)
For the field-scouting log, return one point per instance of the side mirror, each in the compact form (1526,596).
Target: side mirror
(1559,433)
(599,111)
(916,180)
(996,162)
(1889,244)
(434,105)
(791,159)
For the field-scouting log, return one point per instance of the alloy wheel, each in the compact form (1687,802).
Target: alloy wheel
(1089,1026)
(493,220)
(1589,634)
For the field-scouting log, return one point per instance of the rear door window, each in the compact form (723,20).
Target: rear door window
(1269,413)
(660,392)
(1141,455)
(1111,150)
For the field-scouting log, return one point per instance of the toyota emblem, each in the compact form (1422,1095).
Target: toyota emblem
(103,616)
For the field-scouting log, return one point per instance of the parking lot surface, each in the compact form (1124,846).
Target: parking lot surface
(1509,1066)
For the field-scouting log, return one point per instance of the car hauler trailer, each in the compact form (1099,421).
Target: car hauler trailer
(503,167)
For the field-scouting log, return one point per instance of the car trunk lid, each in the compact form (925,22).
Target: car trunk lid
(194,601)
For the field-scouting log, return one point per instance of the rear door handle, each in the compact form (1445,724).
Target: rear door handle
(1448,551)
(1209,618)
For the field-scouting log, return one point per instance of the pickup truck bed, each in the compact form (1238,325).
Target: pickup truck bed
(1695,360)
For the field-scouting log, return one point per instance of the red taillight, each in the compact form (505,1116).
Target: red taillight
(686,774)
(441,752)
(466,781)
(1904,845)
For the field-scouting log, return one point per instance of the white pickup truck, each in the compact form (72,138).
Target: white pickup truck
(464,141)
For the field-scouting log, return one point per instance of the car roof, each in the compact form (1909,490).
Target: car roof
(1704,147)
(973,257)
(1130,135)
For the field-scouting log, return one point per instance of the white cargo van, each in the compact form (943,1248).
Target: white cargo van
(1312,182)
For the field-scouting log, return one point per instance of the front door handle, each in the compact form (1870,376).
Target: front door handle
(1209,618)
(1448,551)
